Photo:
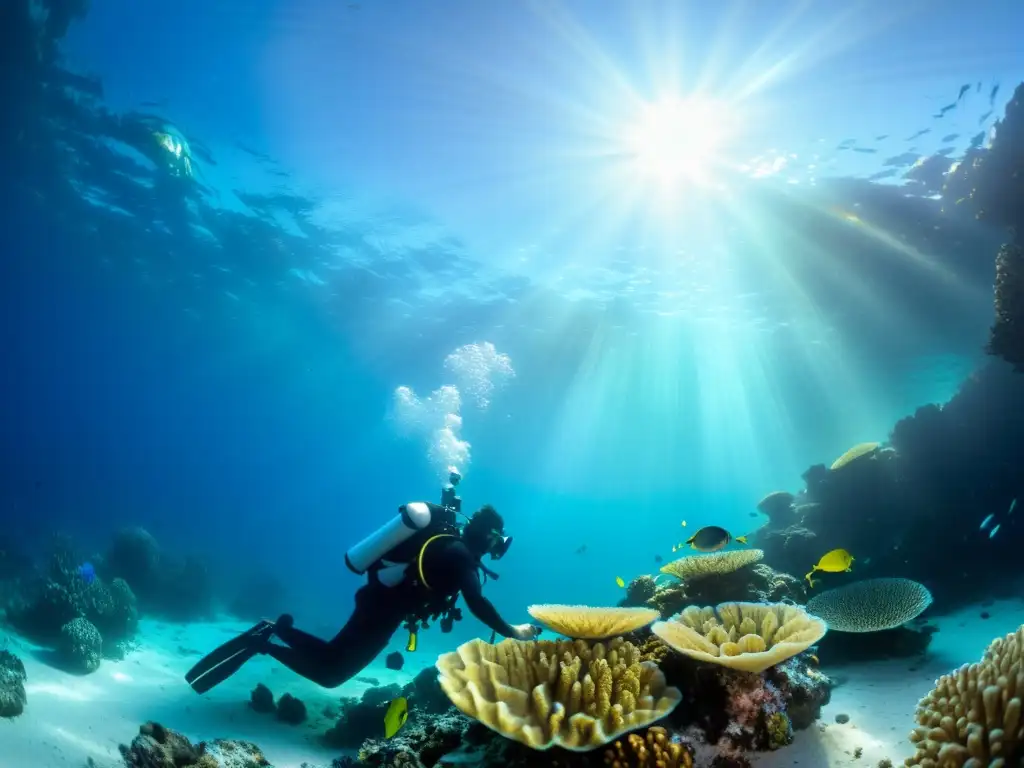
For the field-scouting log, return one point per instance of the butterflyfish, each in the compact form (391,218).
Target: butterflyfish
(620,581)
(395,717)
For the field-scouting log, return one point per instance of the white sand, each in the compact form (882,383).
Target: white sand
(881,697)
(70,718)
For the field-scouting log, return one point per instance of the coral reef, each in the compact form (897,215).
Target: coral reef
(80,646)
(568,694)
(262,700)
(871,605)
(360,718)
(737,711)
(422,743)
(755,583)
(953,463)
(44,605)
(584,622)
(173,587)
(639,591)
(160,747)
(652,749)
(973,715)
(746,636)
(291,710)
(12,685)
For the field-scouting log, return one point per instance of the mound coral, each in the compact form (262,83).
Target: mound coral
(711,564)
(750,637)
(12,685)
(80,646)
(567,693)
(586,623)
(972,718)
(157,746)
(871,605)
(653,749)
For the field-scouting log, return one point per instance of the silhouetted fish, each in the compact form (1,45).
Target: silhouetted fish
(963,89)
(918,134)
(992,95)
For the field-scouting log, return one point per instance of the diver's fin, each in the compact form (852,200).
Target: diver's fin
(218,665)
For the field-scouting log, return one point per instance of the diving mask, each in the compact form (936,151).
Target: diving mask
(500,546)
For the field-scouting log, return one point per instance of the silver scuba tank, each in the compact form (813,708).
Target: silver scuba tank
(411,518)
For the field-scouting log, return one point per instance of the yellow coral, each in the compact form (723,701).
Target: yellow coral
(563,693)
(859,451)
(584,622)
(711,564)
(972,718)
(747,636)
(652,750)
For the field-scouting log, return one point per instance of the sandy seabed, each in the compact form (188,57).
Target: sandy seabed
(70,719)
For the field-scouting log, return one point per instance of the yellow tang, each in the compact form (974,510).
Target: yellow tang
(619,580)
(397,714)
(836,561)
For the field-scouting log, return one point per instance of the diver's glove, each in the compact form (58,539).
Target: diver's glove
(526,632)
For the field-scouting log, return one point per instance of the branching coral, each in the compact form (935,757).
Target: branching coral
(568,694)
(711,564)
(653,749)
(871,605)
(972,718)
(587,623)
(746,636)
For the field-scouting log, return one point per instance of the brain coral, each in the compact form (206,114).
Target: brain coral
(584,622)
(567,693)
(871,605)
(747,636)
(972,718)
(711,564)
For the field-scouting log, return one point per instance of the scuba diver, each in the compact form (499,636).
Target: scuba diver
(417,565)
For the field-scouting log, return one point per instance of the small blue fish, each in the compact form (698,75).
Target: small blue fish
(1013,505)
(86,573)
(994,532)
(986,521)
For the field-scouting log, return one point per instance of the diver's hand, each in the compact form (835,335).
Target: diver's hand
(526,632)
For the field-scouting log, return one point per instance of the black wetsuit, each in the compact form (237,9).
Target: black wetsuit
(449,568)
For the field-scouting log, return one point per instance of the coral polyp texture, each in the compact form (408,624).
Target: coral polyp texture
(652,749)
(750,637)
(972,718)
(587,623)
(565,693)
(871,605)
(711,564)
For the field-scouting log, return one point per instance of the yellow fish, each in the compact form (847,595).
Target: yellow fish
(684,523)
(619,581)
(836,561)
(395,717)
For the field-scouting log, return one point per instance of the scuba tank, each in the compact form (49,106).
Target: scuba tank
(411,519)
